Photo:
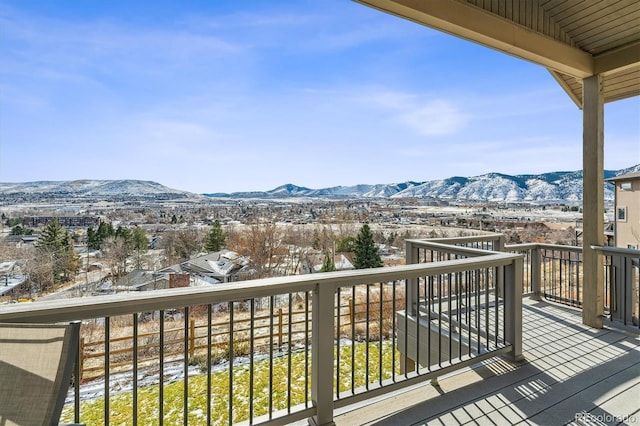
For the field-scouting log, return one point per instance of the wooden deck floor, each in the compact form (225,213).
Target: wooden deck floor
(572,374)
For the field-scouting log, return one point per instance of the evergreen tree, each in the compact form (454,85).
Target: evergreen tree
(11,222)
(52,236)
(69,261)
(105,230)
(92,239)
(21,230)
(96,238)
(216,238)
(328,265)
(140,244)
(126,235)
(366,252)
(139,239)
(57,244)
(346,244)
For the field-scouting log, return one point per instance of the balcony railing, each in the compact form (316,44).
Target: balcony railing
(555,272)
(284,349)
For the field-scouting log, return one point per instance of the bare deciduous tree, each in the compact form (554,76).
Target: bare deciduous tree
(116,252)
(263,244)
(323,238)
(180,245)
(299,241)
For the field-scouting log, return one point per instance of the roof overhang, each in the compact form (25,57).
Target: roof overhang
(571,40)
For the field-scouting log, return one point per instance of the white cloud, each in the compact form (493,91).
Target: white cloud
(423,115)
(435,118)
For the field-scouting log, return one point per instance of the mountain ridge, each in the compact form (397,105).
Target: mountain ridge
(117,189)
(559,186)
(552,187)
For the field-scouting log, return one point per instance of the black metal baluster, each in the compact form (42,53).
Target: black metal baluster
(380,331)
(271,305)
(366,375)
(353,339)
(306,345)
(407,311)
(449,296)
(185,390)
(252,315)
(486,302)
(289,356)
(76,384)
(231,358)
(107,366)
(459,285)
(496,303)
(161,372)
(393,332)
(338,292)
(135,370)
(209,360)
(477,305)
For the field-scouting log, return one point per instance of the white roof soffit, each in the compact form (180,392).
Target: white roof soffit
(567,63)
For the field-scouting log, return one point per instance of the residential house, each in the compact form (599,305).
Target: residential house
(11,276)
(221,266)
(627,210)
(341,262)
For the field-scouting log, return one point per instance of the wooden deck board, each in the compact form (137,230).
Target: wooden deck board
(569,369)
(615,397)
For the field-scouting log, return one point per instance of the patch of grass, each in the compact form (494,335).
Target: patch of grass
(219,354)
(120,405)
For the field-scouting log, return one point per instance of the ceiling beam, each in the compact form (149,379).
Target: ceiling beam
(618,59)
(475,24)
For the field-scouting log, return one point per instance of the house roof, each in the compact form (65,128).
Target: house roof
(573,39)
(136,278)
(218,264)
(340,261)
(626,176)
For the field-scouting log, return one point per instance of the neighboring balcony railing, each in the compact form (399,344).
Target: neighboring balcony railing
(280,350)
(555,271)
(622,280)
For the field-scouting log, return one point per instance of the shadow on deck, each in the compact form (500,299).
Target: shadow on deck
(572,374)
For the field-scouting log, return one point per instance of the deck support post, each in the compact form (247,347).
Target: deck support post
(413,298)
(536,276)
(513,307)
(593,200)
(322,354)
(499,246)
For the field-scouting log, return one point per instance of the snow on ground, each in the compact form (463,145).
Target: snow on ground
(173,371)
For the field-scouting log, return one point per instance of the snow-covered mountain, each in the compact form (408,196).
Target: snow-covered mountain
(563,187)
(128,189)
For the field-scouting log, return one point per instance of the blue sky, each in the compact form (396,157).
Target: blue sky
(224,96)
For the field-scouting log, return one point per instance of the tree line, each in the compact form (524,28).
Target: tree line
(272,250)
